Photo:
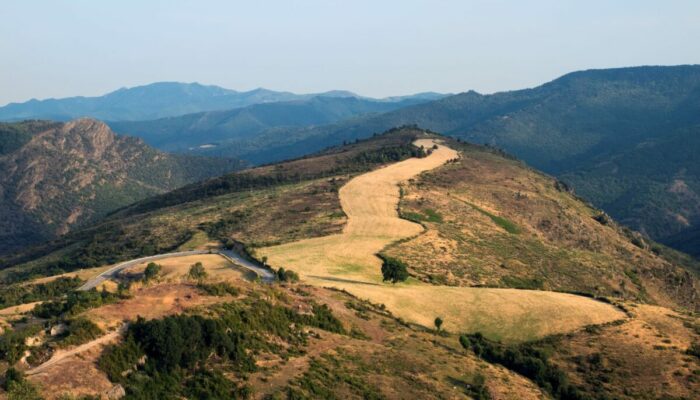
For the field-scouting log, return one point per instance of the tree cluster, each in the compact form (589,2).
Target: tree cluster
(526,360)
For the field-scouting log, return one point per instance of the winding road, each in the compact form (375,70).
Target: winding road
(265,274)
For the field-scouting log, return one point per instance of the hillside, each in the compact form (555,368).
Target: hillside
(624,138)
(60,175)
(492,229)
(493,222)
(160,100)
(294,200)
(220,132)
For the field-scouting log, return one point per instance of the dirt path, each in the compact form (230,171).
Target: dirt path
(61,355)
(348,261)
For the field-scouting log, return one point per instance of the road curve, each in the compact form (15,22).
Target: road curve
(264,274)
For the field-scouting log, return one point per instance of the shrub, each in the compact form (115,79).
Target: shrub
(197,272)
(219,289)
(694,350)
(12,375)
(75,303)
(80,330)
(22,294)
(151,271)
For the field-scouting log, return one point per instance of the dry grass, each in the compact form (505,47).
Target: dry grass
(397,361)
(642,358)
(175,269)
(151,302)
(558,244)
(348,261)
(83,379)
(10,314)
(84,274)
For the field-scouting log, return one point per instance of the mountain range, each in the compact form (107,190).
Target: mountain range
(161,99)
(214,132)
(625,139)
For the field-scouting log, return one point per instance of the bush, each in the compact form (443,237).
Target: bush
(22,294)
(75,303)
(151,271)
(80,330)
(12,345)
(12,375)
(219,289)
(22,391)
(197,272)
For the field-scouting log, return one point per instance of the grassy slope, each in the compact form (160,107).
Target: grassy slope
(384,357)
(348,261)
(266,205)
(498,223)
(379,357)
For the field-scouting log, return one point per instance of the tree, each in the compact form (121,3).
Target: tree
(152,269)
(394,270)
(438,323)
(197,271)
(287,275)
(264,260)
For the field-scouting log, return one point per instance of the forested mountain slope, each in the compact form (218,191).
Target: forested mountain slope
(625,138)
(218,132)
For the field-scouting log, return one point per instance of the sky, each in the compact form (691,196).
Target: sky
(60,48)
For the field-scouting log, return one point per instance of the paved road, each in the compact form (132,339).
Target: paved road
(265,274)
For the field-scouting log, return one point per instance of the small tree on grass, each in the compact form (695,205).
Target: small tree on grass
(394,270)
(438,323)
(197,272)
(152,269)
(287,275)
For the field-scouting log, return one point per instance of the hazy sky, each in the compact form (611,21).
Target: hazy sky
(58,48)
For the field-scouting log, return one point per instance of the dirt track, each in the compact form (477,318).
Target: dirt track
(348,261)
(61,355)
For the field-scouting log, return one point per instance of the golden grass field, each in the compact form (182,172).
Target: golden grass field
(348,261)
(175,269)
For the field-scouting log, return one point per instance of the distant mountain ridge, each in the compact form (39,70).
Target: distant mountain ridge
(626,138)
(60,175)
(214,132)
(159,100)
